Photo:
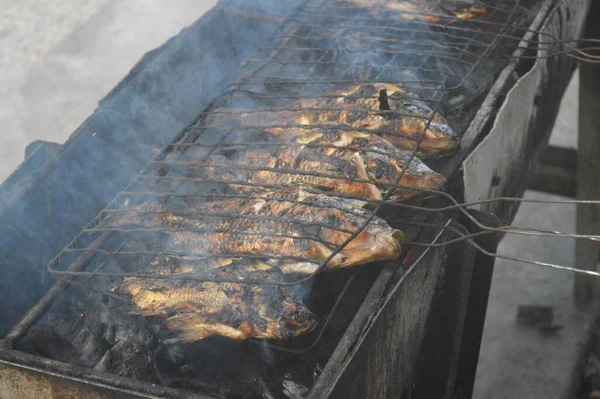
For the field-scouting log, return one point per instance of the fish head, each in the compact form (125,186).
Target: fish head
(414,119)
(375,243)
(387,166)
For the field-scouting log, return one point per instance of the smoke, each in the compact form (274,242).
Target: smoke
(42,212)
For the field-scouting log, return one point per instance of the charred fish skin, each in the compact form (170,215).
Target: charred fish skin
(189,327)
(196,310)
(267,312)
(417,179)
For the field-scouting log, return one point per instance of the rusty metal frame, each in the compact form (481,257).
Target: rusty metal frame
(25,375)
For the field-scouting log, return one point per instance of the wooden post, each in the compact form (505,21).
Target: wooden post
(588,165)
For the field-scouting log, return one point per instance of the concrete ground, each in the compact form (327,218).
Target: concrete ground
(521,362)
(59,57)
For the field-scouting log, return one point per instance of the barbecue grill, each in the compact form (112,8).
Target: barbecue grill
(382,328)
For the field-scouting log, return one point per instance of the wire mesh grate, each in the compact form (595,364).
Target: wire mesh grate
(304,135)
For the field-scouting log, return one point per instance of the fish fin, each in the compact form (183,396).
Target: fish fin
(192,327)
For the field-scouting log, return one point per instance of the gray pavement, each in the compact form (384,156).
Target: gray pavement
(59,57)
(521,362)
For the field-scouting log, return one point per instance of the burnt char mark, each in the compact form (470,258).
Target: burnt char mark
(329,135)
(363,142)
(349,171)
(382,169)
(228,290)
(261,136)
(297,161)
(253,300)
(333,220)
(354,117)
(302,245)
(331,164)
(311,230)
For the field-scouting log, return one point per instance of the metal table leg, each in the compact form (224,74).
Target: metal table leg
(481,282)
(588,165)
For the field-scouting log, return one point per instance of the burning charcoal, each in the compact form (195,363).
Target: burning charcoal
(293,390)
(231,369)
(130,357)
(95,346)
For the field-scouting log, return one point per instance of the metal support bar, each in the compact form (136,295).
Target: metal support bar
(479,292)
(441,345)
(588,165)
(556,172)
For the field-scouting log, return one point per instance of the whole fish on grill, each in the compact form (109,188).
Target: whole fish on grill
(195,310)
(431,11)
(284,165)
(304,230)
(399,117)
(357,165)
(383,163)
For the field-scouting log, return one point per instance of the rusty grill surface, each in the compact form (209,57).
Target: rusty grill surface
(326,46)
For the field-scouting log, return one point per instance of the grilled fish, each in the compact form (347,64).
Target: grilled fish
(305,231)
(383,163)
(425,10)
(196,310)
(360,166)
(295,165)
(383,109)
